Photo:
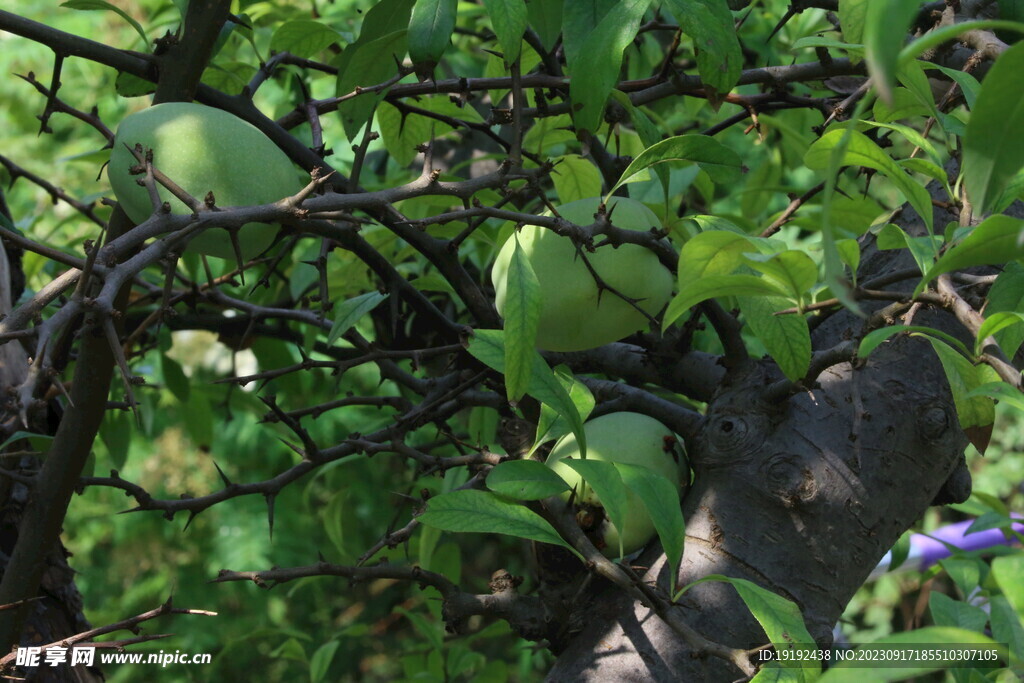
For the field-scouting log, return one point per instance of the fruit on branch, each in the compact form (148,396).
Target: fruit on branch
(630,438)
(202,150)
(574,314)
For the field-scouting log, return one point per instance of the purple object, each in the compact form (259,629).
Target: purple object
(926,550)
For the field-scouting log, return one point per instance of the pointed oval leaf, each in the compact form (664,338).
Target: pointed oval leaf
(525,480)
(660,497)
(720,163)
(351,311)
(488,347)
(862,151)
(522,315)
(471,511)
(995,240)
(431,25)
(602,51)
(711,26)
(604,478)
(508,17)
(717,286)
(886,25)
(712,252)
(303,38)
(787,338)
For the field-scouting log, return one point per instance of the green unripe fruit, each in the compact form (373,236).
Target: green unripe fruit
(203,149)
(571,316)
(630,438)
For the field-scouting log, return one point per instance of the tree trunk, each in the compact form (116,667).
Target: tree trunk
(56,612)
(802,496)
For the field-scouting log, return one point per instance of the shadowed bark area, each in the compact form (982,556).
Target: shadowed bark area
(57,610)
(802,496)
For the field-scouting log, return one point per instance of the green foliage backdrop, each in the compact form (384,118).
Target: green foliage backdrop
(764,220)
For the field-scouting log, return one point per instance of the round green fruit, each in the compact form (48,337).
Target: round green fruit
(572,318)
(203,149)
(629,438)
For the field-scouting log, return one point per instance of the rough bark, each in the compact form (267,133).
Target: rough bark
(802,496)
(57,611)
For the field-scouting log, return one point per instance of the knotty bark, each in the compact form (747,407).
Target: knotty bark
(802,496)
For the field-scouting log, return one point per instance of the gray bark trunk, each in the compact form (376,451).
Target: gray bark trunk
(802,497)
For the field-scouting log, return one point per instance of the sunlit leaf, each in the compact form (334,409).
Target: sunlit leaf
(472,511)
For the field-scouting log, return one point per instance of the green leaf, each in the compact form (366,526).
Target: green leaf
(1011,9)
(993,148)
(774,672)
(946,611)
(718,286)
(861,151)
(965,572)
(321,660)
(712,252)
(903,104)
(793,270)
(368,64)
(488,347)
(900,551)
(130,85)
(649,134)
(996,240)
(852,15)
(198,419)
(721,163)
(912,76)
(969,85)
(924,249)
(996,323)
(1007,294)
(1008,571)
(925,167)
(886,25)
(471,511)
(602,51)
(545,16)
(525,480)
(551,424)
(871,341)
(34,438)
(116,432)
(607,483)
(508,17)
(964,377)
(852,670)
(1001,391)
(303,38)
(912,136)
(430,30)
(88,5)
(403,133)
(575,178)
(849,253)
(1007,626)
(786,337)
(824,41)
(174,378)
(780,618)
(349,313)
(578,21)
(711,26)
(522,315)
(660,497)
